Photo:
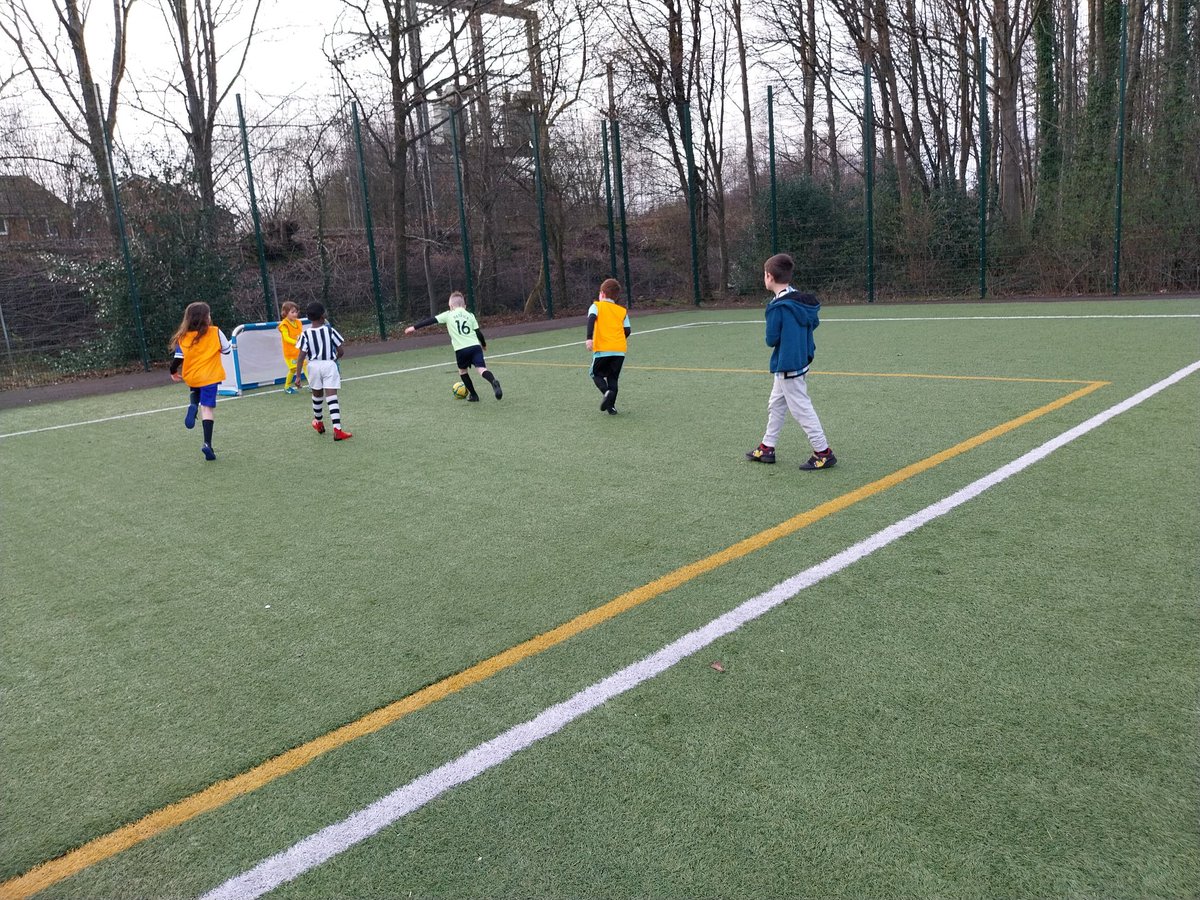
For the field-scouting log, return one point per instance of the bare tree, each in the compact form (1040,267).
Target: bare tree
(560,47)
(1010,27)
(664,52)
(713,23)
(197,29)
(57,58)
(735,13)
(412,45)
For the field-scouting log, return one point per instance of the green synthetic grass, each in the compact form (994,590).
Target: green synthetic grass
(1003,703)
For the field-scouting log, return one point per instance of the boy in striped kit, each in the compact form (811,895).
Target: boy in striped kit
(607,339)
(322,346)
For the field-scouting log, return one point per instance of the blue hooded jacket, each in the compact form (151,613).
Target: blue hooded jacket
(792,317)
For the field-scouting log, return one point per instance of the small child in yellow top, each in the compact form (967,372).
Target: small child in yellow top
(198,347)
(289,328)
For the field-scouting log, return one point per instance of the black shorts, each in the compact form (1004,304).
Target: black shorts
(470,356)
(607,366)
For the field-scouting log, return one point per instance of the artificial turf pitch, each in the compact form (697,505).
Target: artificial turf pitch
(1003,704)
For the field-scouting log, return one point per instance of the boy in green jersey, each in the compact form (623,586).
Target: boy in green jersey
(467,340)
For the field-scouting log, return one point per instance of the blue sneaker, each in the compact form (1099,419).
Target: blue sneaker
(189,419)
(823,460)
(207,450)
(290,390)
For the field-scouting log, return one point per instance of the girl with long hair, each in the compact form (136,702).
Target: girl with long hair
(198,347)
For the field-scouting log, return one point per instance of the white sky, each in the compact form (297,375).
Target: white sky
(287,58)
(286,55)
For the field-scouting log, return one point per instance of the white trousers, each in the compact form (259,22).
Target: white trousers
(791,395)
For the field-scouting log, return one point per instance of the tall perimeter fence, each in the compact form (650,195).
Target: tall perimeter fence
(527,219)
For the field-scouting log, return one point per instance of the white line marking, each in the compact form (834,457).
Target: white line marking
(266,393)
(341,836)
(758,321)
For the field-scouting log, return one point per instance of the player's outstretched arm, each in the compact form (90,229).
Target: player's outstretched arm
(415,325)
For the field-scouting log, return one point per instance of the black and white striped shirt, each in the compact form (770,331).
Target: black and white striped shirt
(320,342)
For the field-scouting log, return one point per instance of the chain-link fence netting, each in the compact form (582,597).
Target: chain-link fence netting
(442,216)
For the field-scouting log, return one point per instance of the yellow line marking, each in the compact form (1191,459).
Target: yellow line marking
(935,377)
(45,874)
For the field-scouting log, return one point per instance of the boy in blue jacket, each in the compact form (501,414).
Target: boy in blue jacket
(792,317)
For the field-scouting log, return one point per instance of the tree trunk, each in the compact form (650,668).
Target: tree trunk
(751,170)
(1008,77)
(894,124)
(835,162)
(1049,158)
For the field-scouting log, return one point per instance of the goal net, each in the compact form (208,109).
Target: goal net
(256,360)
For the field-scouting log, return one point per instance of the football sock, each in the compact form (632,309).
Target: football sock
(489,376)
(194,397)
(466,379)
(207,424)
(317,401)
(335,412)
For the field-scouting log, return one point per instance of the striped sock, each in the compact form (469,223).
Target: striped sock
(317,408)
(335,412)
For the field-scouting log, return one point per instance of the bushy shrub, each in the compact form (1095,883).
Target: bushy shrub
(175,262)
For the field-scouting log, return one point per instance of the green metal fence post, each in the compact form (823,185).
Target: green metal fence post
(984,167)
(462,211)
(1116,282)
(771,160)
(134,297)
(690,155)
(541,204)
(869,167)
(258,239)
(620,180)
(367,223)
(608,199)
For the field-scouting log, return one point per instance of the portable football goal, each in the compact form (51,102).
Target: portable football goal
(257,358)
